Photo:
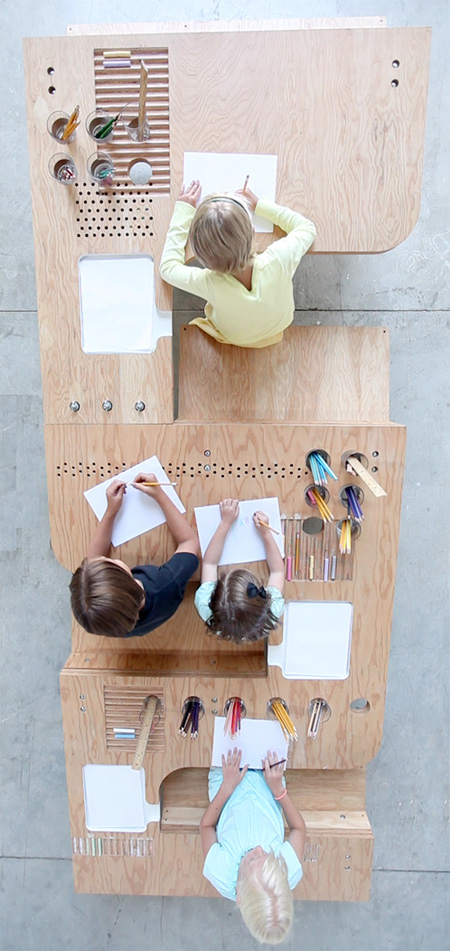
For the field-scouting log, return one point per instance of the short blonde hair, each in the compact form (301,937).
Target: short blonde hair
(221,234)
(266,902)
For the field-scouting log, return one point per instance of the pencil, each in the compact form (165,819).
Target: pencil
(152,483)
(266,525)
(246,183)
(280,761)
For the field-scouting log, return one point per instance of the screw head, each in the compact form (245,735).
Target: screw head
(207,452)
(107,405)
(74,406)
(207,468)
(139,406)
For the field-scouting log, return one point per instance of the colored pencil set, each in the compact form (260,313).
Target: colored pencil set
(233,719)
(291,528)
(190,718)
(317,712)
(317,499)
(345,539)
(319,468)
(353,504)
(289,731)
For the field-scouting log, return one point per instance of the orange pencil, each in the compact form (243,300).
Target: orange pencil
(266,525)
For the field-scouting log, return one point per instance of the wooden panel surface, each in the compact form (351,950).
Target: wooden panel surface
(314,374)
(224,26)
(343,115)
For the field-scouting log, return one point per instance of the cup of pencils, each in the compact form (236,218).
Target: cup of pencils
(100,167)
(100,125)
(60,128)
(62,168)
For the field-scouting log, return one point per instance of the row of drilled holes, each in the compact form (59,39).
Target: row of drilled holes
(238,471)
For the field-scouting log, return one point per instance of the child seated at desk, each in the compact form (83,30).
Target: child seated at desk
(242,835)
(111,599)
(250,297)
(235,606)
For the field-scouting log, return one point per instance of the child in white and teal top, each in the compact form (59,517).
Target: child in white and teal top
(236,607)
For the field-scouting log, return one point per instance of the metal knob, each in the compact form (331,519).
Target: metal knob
(74,406)
(107,405)
(139,406)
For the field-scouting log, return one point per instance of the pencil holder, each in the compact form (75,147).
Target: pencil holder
(318,488)
(358,492)
(320,452)
(356,528)
(190,700)
(100,167)
(269,709)
(96,122)
(136,131)
(56,123)
(326,709)
(228,703)
(62,168)
(359,455)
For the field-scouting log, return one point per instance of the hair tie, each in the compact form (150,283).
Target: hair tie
(253,591)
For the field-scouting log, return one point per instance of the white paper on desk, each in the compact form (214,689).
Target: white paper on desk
(227,171)
(139,513)
(117,301)
(317,637)
(255,738)
(244,541)
(114,799)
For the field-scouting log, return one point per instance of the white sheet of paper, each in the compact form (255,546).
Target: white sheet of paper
(317,638)
(227,171)
(114,799)
(116,303)
(255,738)
(139,513)
(243,542)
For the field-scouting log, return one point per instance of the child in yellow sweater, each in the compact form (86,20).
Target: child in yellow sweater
(249,297)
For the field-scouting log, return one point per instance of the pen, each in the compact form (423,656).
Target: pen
(246,183)
(280,761)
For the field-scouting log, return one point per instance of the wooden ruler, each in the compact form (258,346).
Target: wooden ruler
(366,477)
(147,723)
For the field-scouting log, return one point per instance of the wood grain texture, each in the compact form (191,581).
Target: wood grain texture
(314,374)
(224,26)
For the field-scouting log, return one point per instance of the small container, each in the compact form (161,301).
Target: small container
(323,492)
(100,167)
(56,123)
(62,167)
(355,527)
(95,122)
(137,132)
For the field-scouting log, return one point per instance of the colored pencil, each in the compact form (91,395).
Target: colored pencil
(266,525)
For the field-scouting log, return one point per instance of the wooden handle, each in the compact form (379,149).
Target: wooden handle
(145,732)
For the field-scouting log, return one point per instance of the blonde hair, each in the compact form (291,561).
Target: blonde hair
(221,234)
(266,902)
(235,615)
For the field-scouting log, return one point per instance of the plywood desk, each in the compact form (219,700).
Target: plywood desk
(348,115)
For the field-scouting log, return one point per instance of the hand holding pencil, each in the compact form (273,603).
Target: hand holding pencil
(148,483)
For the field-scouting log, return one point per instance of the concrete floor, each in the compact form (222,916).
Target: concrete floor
(405,290)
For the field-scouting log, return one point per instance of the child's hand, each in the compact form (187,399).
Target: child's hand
(273,776)
(262,517)
(229,511)
(114,496)
(154,491)
(232,774)
(249,196)
(191,194)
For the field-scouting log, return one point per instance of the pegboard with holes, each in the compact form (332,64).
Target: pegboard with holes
(107,469)
(125,213)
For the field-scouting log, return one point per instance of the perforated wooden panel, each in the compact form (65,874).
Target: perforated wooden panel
(124,708)
(117,88)
(106,213)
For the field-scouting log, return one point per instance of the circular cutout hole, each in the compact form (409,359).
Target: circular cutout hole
(357,490)
(360,705)
(312,525)
(358,455)
(140,172)
(356,528)
(318,488)
(394,83)
(269,710)
(320,452)
(50,70)
(395,63)
(326,709)
(231,700)
(52,90)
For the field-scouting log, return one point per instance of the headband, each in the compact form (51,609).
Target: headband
(253,591)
